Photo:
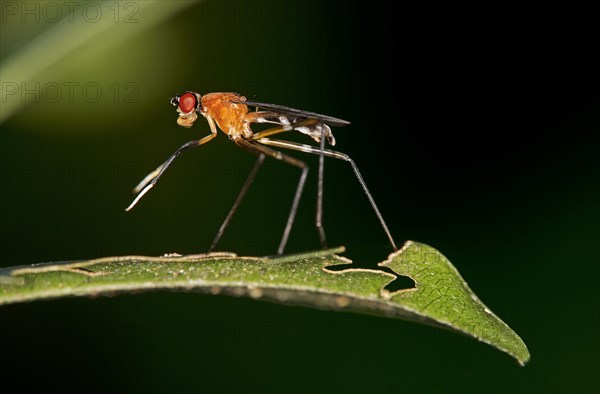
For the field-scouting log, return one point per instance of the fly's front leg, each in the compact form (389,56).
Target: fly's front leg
(150,180)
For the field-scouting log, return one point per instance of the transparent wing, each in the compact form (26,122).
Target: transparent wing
(294,114)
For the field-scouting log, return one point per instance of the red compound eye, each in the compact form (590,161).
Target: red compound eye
(187,102)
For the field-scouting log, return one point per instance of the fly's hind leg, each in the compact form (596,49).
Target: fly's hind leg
(336,155)
(259,149)
(255,117)
(260,117)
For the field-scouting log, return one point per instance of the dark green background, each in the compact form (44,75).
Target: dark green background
(480,137)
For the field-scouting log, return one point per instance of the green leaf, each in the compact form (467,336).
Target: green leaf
(441,297)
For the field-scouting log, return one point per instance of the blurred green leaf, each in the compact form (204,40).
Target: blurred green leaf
(440,298)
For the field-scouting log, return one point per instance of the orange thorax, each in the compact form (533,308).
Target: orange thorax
(230,116)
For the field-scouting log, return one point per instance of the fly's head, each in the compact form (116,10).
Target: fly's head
(188,106)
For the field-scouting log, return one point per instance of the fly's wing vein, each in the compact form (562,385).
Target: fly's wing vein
(295,114)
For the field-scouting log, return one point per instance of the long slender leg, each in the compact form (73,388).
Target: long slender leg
(261,149)
(281,129)
(238,200)
(150,180)
(335,155)
(287,127)
(319,217)
(254,117)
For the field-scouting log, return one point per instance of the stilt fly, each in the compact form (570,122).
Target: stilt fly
(229,112)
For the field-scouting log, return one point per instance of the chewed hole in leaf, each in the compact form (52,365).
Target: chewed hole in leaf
(400,283)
